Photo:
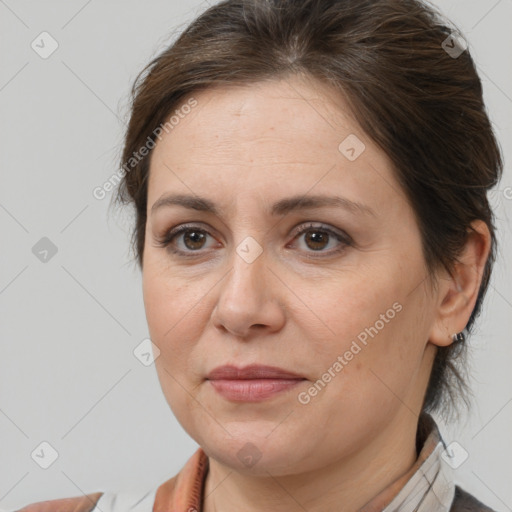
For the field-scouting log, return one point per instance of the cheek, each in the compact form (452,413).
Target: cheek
(173,327)
(167,297)
(349,309)
(168,309)
(375,343)
(176,315)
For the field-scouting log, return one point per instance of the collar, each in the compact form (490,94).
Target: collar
(427,486)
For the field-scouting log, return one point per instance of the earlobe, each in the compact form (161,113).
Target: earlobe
(442,336)
(458,292)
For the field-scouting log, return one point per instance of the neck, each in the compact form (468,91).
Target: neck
(352,481)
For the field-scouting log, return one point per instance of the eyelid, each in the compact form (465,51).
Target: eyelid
(345,240)
(165,240)
(305,226)
(342,237)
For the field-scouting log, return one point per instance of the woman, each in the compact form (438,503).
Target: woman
(309,180)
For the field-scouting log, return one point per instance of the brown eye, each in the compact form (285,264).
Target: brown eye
(186,239)
(193,239)
(316,239)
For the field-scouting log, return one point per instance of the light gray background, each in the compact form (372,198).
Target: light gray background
(69,326)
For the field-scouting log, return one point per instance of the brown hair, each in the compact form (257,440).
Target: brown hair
(423,106)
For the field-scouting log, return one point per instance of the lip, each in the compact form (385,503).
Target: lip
(253,371)
(252,383)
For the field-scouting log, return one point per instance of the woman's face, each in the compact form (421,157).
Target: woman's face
(344,305)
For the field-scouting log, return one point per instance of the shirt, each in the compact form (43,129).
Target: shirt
(428,486)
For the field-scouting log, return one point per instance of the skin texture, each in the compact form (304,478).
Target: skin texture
(244,148)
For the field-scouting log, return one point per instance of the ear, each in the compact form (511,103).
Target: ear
(457,293)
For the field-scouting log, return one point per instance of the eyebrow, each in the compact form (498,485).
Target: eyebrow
(281,207)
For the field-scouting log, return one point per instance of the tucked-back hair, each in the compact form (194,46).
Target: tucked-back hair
(387,58)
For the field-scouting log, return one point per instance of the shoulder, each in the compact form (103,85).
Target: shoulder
(465,502)
(84,503)
(127,501)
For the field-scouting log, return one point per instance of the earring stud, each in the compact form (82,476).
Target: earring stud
(458,338)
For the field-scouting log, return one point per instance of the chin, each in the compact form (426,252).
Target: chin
(253,451)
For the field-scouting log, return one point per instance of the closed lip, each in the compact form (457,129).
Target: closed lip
(253,371)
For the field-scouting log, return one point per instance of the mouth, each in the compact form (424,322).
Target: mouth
(252,383)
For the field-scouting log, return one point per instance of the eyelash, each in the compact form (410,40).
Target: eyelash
(166,240)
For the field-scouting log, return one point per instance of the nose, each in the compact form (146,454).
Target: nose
(250,300)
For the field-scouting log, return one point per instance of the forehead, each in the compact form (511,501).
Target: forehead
(281,113)
(267,137)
